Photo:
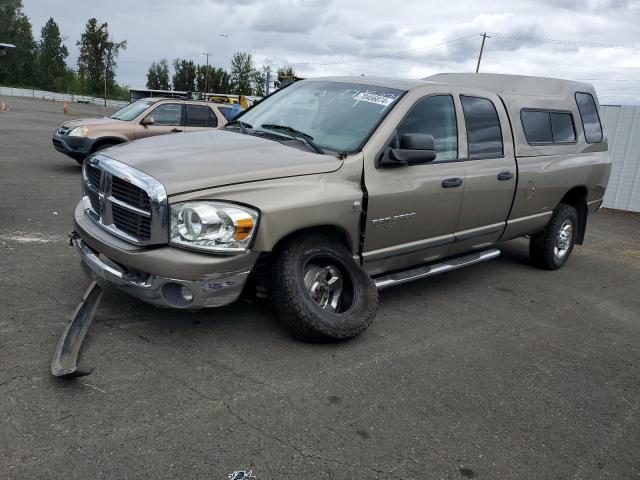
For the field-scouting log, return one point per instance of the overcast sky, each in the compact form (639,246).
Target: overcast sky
(373,37)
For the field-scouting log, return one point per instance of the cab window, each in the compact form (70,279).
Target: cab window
(167,115)
(201,116)
(484,134)
(436,116)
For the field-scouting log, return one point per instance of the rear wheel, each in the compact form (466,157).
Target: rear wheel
(320,293)
(550,249)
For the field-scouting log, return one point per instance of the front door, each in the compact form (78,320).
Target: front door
(412,211)
(490,174)
(167,119)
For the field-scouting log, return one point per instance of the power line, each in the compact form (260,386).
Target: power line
(571,43)
(385,55)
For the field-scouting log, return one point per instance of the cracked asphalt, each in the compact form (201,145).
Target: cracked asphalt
(497,371)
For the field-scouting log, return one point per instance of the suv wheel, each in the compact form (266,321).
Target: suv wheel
(320,293)
(551,248)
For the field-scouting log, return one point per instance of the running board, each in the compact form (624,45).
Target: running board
(429,270)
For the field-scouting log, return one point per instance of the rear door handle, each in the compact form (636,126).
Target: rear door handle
(452,182)
(502,176)
(175,130)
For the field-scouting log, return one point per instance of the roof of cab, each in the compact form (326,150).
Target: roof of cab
(512,85)
(384,82)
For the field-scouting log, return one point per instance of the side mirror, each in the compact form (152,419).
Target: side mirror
(148,120)
(415,149)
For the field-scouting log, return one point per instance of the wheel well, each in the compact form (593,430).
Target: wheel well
(577,198)
(259,283)
(102,141)
(331,231)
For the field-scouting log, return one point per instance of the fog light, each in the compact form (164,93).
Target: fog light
(186,293)
(177,295)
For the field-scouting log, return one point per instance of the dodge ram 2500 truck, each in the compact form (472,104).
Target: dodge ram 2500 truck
(333,188)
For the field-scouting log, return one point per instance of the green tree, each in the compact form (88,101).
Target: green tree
(259,81)
(218,79)
(98,54)
(158,76)
(184,77)
(51,55)
(242,73)
(17,67)
(286,73)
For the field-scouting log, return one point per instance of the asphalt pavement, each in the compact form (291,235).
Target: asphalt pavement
(496,371)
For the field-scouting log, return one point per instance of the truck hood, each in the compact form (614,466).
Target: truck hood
(186,162)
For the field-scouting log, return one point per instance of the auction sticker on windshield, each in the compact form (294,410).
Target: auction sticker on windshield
(374,98)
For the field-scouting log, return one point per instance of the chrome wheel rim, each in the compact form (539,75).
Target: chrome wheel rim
(563,239)
(324,284)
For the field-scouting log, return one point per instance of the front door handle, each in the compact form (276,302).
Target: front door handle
(175,130)
(502,176)
(452,182)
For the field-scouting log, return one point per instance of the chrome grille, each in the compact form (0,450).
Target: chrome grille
(63,130)
(125,201)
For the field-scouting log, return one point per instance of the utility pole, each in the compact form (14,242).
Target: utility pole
(484,37)
(267,86)
(206,74)
(105,82)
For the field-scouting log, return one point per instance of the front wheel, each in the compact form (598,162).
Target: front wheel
(551,248)
(320,293)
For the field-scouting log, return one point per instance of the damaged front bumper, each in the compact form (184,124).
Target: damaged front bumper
(214,290)
(162,275)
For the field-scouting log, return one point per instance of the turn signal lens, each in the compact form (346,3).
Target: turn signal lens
(244,227)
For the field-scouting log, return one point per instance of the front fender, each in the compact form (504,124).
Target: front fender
(288,205)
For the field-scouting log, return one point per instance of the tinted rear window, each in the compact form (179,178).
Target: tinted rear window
(590,118)
(537,126)
(484,135)
(541,126)
(562,126)
(200,116)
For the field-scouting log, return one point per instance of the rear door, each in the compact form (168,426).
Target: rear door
(200,117)
(412,211)
(168,118)
(489,171)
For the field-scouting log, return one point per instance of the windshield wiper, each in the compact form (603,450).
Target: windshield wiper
(243,125)
(295,134)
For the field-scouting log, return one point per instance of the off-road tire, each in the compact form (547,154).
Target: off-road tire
(542,245)
(296,309)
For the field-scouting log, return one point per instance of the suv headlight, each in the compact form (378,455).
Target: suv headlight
(79,132)
(213,226)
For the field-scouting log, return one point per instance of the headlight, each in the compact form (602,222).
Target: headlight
(213,226)
(79,132)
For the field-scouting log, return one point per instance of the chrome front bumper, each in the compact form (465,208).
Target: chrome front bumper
(215,290)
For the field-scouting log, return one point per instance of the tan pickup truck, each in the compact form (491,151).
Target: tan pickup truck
(147,117)
(333,188)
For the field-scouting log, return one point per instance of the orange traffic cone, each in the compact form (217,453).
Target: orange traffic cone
(66,107)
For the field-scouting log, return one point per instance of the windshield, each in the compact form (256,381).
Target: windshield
(132,110)
(338,116)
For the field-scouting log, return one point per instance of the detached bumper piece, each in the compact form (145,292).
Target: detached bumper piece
(215,290)
(65,358)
